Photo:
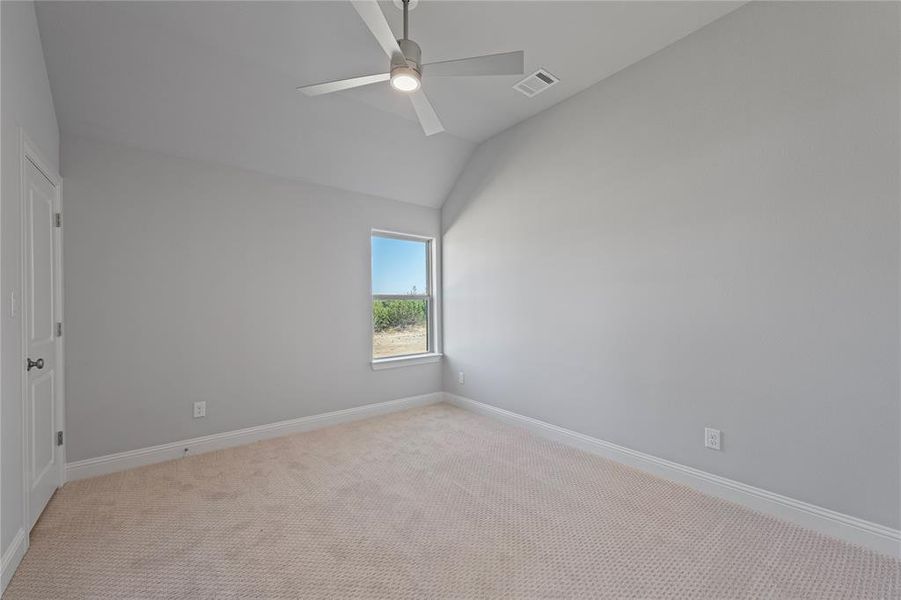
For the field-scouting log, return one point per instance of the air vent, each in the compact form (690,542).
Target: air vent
(535,83)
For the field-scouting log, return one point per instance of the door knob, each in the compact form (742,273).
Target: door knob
(39,363)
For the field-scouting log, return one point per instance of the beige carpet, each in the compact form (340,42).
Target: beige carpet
(430,503)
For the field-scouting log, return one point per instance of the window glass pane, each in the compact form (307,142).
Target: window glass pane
(400,327)
(399,266)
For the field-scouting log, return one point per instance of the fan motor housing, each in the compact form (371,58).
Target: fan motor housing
(412,54)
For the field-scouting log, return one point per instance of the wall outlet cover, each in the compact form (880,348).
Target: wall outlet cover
(199,409)
(711,438)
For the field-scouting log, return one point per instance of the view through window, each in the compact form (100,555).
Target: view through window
(401,295)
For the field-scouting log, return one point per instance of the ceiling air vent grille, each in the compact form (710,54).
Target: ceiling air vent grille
(535,83)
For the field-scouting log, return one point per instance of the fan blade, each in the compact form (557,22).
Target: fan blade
(375,20)
(342,84)
(507,63)
(429,120)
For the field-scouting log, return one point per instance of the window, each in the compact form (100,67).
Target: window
(403,305)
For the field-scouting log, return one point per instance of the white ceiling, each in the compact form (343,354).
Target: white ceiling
(216,80)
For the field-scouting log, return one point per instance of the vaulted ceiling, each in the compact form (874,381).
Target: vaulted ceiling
(216,80)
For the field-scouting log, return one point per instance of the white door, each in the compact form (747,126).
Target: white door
(43,406)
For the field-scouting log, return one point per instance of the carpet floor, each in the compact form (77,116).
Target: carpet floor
(433,502)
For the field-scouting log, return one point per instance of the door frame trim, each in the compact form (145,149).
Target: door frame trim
(29,152)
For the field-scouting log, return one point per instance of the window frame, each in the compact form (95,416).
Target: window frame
(432,298)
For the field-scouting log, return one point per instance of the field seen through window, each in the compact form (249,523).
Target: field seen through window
(400,327)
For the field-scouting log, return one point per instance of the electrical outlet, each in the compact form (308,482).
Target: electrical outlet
(199,409)
(711,438)
(461,377)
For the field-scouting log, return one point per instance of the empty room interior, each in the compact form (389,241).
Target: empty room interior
(363,299)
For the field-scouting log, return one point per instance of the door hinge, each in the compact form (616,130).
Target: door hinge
(59,438)
(59,329)
(58,218)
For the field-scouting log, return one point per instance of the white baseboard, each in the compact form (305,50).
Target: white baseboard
(822,520)
(121,461)
(12,557)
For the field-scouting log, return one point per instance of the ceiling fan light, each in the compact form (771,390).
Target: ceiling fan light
(405,79)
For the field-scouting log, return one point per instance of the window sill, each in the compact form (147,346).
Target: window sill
(404,361)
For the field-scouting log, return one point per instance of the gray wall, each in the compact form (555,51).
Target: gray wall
(26,101)
(708,238)
(187,281)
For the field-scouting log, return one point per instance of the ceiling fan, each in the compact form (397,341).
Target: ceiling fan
(406,69)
